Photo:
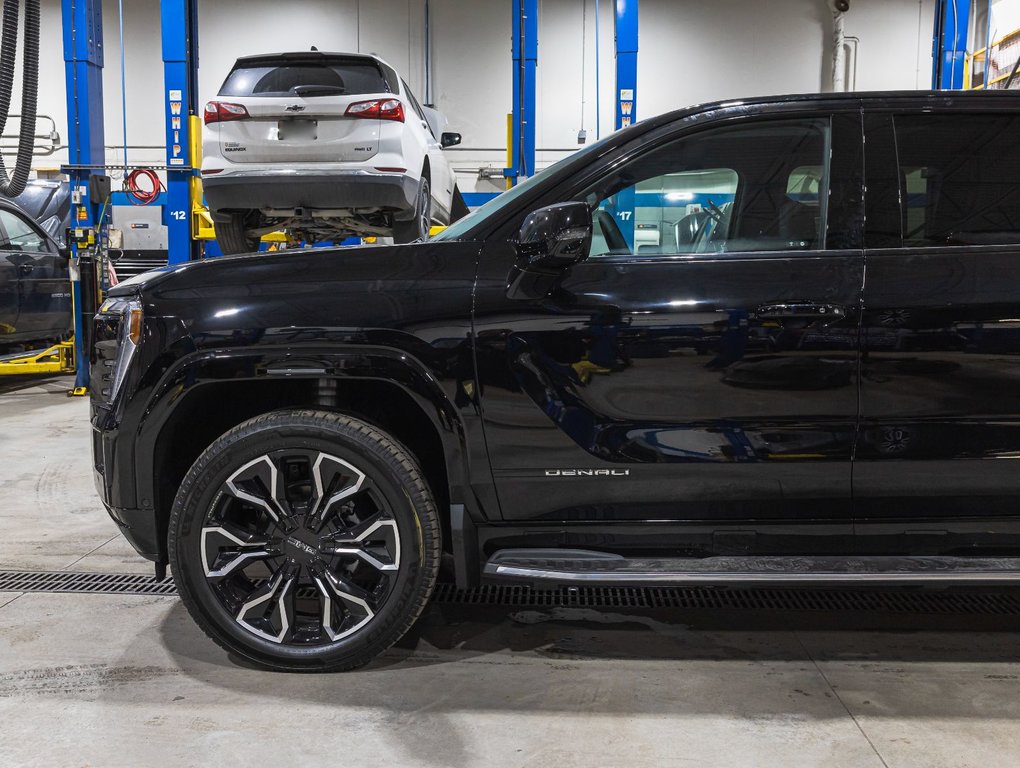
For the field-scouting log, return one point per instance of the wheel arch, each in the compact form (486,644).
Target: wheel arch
(200,400)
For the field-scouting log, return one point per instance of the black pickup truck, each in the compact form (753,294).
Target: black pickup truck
(771,341)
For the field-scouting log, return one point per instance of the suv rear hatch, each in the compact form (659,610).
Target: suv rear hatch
(296,105)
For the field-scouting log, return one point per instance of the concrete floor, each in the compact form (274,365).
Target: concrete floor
(89,680)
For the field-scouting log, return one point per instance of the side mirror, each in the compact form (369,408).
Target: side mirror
(550,241)
(449,139)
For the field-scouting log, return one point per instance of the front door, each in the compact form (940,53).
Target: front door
(698,372)
(940,391)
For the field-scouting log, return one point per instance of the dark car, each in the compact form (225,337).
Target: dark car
(725,345)
(35,288)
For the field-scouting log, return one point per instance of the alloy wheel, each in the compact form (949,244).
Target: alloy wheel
(300,547)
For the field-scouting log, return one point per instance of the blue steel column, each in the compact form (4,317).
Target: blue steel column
(82,22)
(524,44)
(625,97)
(949,43)
(180,67)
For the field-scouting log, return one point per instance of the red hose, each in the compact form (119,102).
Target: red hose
(143,195)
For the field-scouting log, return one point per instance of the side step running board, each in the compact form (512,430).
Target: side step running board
(566,567)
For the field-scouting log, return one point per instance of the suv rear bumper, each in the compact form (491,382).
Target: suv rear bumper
(252,190)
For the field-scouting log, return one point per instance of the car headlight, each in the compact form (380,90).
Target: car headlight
(118,332)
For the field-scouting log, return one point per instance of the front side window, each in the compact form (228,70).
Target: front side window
(18,235)
(959,179)
(760,187)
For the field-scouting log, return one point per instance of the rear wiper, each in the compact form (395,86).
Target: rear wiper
(319,90)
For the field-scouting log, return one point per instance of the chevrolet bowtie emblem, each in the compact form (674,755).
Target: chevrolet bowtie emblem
(296,108)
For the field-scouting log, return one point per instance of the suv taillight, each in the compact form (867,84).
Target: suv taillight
(222,112)
(377,109)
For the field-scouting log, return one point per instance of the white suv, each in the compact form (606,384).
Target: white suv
(324,145)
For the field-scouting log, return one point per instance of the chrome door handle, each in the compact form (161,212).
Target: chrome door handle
(800,310)
(25,268)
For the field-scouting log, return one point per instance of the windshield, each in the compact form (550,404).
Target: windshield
(36,197)
(458,229)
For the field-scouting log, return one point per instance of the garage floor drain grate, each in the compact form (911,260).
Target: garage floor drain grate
(95,583)
(692,598)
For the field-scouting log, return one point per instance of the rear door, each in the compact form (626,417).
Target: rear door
(43,286)
(297,106)
(698,371)
(940,393)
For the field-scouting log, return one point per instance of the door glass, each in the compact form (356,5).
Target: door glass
(18,235)
(417,108)
(748,188)
(961,178)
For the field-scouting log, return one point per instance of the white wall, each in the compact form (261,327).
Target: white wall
(690,52)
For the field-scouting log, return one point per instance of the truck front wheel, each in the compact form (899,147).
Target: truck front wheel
(305,540)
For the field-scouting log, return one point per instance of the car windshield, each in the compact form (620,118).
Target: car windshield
(458,229)
(36,197)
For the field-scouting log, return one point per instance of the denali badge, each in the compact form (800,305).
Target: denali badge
(587,472)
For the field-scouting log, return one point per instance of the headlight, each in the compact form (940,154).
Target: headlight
(118,334)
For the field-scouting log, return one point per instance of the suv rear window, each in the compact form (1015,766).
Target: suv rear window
(310,78)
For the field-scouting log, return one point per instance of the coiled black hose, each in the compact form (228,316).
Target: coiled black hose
(15,185)
(8,55)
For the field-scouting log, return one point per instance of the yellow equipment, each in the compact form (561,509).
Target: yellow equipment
(57,359)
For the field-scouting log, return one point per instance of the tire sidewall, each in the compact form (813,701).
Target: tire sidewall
(423,209)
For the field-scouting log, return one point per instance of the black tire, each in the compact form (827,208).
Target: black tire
(232,236)
(330,616)
(418,227)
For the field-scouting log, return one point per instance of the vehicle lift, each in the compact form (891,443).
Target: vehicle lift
(87,167)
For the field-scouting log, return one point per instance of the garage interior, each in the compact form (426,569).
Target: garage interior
(100,663)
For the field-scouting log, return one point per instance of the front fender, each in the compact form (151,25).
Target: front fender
(218,366)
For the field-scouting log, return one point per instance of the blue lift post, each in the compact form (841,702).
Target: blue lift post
(83,69)
(625,96)
(179,23)
(524,44)
(949,44)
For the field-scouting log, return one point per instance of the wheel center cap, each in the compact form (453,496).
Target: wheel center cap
(302,545)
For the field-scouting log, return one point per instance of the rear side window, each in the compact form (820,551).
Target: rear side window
(959,176)
(305,78)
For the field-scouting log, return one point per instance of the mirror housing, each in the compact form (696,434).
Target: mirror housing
(550,241)
(449,139)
